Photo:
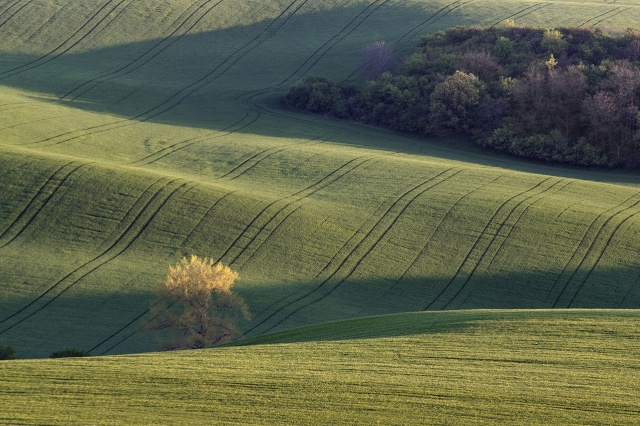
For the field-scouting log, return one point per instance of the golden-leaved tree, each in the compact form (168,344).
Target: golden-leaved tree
(196,305)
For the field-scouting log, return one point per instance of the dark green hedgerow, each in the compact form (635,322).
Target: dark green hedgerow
(567,95)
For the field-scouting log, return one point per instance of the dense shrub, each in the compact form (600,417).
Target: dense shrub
(569,95)
(7,352)
(69,353)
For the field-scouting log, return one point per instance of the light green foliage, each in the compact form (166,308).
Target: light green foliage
(488,367)
(553,41)
(452,102)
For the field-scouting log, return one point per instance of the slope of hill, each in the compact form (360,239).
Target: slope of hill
(481,367)
(134,132)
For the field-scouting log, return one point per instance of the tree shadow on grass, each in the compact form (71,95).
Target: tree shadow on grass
(111,324)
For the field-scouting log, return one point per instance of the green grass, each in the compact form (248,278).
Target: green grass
(472,367)
(130,138)
(134,132)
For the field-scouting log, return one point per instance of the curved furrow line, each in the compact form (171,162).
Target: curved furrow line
(595,264)
(131,233)
(178,146)
(487,254)
(360,241)
(137,330)
(534,10)
(582,249)
(299,290)
(633,286)
(148,55)
(318,54)
(8,5)
(45,193)
(599,16)
(247,99)
(115,333)
(218,201)
(551,191)
(594,251)
(124,223)
(610,16)
(178,97)
(365,246)
(517,13)
(67,44)
(146,311)
(261,156)
(364,229)
(427,245)
(265,233)
(487,232)
(425,22)
(48,22)
(443,15)
(37,195)
(11,15)
(417,27)
(266,215)
(32,122)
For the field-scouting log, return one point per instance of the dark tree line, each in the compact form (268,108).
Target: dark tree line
(568,95)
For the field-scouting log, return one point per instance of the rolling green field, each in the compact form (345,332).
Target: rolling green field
(455,367)
(135,132)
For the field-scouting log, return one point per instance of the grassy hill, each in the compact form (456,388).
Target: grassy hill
(133,132)
(456,367)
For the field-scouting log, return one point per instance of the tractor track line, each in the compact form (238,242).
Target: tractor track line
(595,264)
(542,196)
(599,16)
(53,54)
(433,181)
(332,177)
(168,150)
(99,260)
(122,222)
(2,24)
(186,91)
(427,245)
(31,216)
(593,228)
(215,204)
(132,66)
(611,16)
(480,238)
(37,193)
(433,15)
(420,189)
(584,239)
(538,197)
(338,40)
(494,236)
(517,13)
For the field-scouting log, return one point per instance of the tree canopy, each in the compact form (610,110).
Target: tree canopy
(569,95)
(196,305)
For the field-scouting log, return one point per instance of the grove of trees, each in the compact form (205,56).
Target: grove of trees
(568,95)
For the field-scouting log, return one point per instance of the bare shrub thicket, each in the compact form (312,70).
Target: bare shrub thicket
(377,58)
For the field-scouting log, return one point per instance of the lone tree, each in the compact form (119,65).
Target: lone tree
(197,306)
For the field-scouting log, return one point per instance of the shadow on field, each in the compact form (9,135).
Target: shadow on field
(110,324)
(194,78)
(276,309)
(232,80)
